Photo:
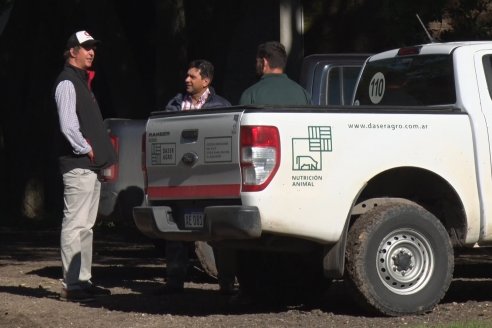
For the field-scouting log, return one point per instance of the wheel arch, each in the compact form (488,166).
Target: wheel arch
(403,184)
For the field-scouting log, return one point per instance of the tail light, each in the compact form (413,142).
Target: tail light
(144,161)
(260,156)
(110,174)
(409,51)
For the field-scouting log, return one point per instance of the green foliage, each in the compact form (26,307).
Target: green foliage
(467,324)
(377,25)
(366,26)
(470,20)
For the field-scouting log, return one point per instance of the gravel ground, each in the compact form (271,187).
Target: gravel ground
(133,268)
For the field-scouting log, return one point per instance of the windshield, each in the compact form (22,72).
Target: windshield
(408,81)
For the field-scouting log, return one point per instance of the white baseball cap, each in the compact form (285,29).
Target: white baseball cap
(81,38)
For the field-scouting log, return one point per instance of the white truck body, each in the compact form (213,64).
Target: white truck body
(385,187)
(358,155)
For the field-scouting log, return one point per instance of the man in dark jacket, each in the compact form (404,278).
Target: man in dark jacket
(199,95)
(84,150)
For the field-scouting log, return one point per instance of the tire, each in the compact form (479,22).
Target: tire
(400,259)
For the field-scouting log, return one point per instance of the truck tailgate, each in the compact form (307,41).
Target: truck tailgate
(193,155)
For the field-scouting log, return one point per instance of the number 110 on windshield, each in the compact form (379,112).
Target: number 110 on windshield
(376,88)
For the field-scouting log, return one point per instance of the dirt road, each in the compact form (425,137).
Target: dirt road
(132,269)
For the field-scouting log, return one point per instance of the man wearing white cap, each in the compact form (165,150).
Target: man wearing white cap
(84,149)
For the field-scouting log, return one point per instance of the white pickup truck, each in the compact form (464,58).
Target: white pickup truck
(379,193)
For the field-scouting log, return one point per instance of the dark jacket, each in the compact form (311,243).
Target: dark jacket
(213,101)
(91,126)
(275,89)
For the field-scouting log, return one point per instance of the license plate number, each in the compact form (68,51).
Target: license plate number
(194,220)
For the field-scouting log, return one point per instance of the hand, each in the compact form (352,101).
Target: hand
(91,156)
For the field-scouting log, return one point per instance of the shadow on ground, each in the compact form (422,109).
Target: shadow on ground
(134,269)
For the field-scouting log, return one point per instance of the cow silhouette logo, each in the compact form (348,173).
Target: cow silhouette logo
(307,152)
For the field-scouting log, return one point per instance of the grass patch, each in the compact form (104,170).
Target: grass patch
(465,324)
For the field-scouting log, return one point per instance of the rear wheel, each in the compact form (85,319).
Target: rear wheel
(399,259)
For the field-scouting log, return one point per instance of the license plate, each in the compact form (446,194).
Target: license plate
(194,220)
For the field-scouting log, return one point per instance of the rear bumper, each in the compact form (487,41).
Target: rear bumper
(220,223)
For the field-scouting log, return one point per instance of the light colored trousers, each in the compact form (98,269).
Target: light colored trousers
(81,202)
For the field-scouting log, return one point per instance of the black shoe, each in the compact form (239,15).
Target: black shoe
(97,291)
(168,289)
(76,295)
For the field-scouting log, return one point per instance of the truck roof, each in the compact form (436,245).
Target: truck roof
(431,48)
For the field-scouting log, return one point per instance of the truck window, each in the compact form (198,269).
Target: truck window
(340,85)
(408,81)
(332,94)
(487,67)
(350,76)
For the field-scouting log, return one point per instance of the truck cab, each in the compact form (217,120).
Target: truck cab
(330,79)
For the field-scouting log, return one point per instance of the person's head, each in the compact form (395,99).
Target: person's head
(271,57)
(80,50)
(199,76)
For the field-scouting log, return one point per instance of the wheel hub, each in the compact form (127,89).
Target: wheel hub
(404,261)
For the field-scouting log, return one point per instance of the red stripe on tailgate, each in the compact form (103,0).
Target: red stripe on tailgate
(205,191)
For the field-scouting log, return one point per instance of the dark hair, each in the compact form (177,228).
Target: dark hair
(66,53)
(274,52)
(206,68)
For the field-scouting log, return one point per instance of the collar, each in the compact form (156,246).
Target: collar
(204,96)
(85,75)
(274,75)
(188,101)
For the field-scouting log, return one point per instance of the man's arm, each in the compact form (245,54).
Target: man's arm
(65,98)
